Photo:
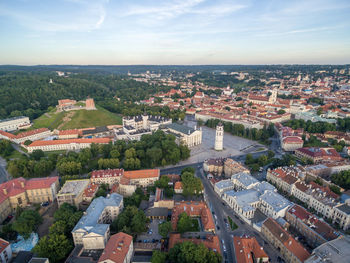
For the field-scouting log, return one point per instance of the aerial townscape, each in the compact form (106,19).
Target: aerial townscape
(192,131)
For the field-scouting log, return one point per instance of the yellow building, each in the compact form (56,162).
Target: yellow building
(22,192)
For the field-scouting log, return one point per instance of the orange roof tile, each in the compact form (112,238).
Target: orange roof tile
(30,133)
(138,174)
(68,141)
(245,247)
(116,248)
(3,245)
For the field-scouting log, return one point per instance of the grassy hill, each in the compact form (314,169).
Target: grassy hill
(76,119)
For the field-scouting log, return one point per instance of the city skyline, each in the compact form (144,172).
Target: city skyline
(194,32)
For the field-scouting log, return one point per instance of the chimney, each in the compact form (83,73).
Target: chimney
(5,191)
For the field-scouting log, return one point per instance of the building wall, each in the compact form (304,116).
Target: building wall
(6,254)
(13,125)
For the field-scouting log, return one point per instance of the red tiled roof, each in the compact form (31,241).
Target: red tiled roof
(90,190)
(69,132)
(178,185)
(320,227)
(37,183)
(138,174)
(116,248)
(30,133)
(20,185)
(245,247)
(193,209)
(107,173)
(3,245)
(68,141)
(7,134)
(292,139)
(288,241)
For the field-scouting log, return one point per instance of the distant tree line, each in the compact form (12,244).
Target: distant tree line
(319,127)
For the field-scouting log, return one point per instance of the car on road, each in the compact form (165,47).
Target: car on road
(218,228)
(43,204)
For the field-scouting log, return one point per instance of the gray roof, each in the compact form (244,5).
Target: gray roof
(180,128)
(89,221)
(264,186)
(245,198)
(245,179)
(157,211)
(13,118)
(224,184)
(96,130)
(275,200)
(344,208)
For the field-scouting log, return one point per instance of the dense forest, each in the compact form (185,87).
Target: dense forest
(30,94)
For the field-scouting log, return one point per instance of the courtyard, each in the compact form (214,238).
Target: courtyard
(233,145)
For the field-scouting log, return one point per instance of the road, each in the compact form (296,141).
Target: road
(3,172)
(177,169)
(221,211)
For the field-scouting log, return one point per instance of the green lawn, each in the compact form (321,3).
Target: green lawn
(232,224)
(52,121)
(92,118)
(79,119)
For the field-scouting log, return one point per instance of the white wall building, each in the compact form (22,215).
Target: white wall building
(92,230)
(15,123)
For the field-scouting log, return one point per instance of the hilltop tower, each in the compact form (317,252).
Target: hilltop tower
(219,137)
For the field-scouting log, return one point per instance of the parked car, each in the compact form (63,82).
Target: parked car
(43,204)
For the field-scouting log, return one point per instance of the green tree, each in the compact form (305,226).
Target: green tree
(164,229)
(37,154)
(158,257)
(27,222)
(54,247)
(185,223)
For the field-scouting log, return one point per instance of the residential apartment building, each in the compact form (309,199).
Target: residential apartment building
(72,192)
(291,250)
(214,166)
(32,135)
(142,178)
(65,145)
(92,230)
(315,231)
(318,155)
(5,251)
(193,209)
(119,249)
(232,167)
(248,250)
(15,123)
(341,216)
(109,176)
(273,205)
(22,192)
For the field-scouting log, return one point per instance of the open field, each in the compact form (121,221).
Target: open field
(49,120)
(92,118)
(76,119)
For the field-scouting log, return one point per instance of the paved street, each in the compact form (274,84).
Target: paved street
(3,172)
(221,212)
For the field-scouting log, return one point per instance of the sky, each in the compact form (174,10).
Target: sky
(191,32)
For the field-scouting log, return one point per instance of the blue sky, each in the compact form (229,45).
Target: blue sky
(118,32)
